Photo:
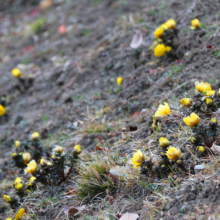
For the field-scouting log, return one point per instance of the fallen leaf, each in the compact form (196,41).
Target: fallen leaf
(215,148)
(73,209)
(70,191)
(129,216)
(137,40)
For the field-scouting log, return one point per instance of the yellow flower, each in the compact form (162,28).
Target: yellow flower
(201,149)
(168,49)
(208,101)
(31,180)
(7,198)
(119,80)
(26,157)
(18,186)
(173,154)
(17,144)
(213,120)
(16,73)
(160,50)
(201,86)
(171,24)
(20,214)
(162,110)
(138,159)
(195,24)
(31,167)
(163,142)
(186,102)
(44,162)
(209,93)
(158,32)
(35,136)
(191,120)
(2,110)
(77,149)
(58,149)
(13,154)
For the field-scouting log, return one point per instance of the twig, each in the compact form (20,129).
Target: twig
(22,206)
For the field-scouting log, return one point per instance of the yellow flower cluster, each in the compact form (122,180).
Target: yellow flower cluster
(169,24)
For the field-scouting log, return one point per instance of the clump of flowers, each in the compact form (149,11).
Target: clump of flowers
(165,36)
(195,23)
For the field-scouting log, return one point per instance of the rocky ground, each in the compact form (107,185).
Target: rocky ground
(74,99)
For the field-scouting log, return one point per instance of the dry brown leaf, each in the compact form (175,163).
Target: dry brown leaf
(129,216)
(73,209)
(137,40)
(215,148)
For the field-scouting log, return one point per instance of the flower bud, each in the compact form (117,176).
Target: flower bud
(201,149)
(186,102)
(212,123)
(209,102)
(163,142)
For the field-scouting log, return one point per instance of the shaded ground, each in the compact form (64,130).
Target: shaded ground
(75,79)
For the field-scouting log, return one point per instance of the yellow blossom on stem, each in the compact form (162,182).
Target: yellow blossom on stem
(163,142)
(26,157)
(186,102)
(171,24)
(173,154)
(17,144)
(119,80)
(201,149)
(164,26)
(162,110)
(138,159)
(2,110)
(16,73)
(7,198)
(160,50)
(31,167)
(17,180)
(158,32)
(195,24)
(77,149)
(35,136)
(201,86)
(20,214)
(192,120)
